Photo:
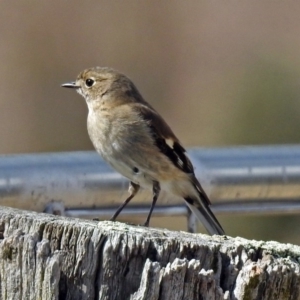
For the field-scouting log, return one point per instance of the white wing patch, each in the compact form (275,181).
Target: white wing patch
(170,143)
(179,161)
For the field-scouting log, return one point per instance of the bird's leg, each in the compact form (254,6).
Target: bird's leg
(156,190)
(133,189)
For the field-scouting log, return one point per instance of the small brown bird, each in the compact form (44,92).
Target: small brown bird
(135,140)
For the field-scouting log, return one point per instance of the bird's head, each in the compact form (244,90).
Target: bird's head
(104,84)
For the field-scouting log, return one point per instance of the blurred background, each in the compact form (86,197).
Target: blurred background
(221,73)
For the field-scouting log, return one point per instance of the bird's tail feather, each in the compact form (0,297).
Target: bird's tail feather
(205,215)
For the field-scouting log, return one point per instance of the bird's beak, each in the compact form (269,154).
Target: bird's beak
(71,85)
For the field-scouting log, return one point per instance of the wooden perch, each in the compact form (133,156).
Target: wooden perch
(50,257)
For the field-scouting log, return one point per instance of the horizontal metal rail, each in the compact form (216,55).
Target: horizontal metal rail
(238,180)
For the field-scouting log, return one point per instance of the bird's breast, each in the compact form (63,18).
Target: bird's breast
(127,145)
(119,145)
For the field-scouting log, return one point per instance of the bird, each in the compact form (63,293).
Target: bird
(134,139)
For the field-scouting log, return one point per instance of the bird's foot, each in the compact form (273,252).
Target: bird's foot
(146,224)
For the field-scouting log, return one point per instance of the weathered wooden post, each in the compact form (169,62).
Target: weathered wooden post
(50,257)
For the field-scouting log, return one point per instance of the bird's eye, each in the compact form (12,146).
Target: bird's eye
(89,82)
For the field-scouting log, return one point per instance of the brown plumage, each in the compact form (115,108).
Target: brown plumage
(135,140)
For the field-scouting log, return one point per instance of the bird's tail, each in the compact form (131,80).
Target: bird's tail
(203,212)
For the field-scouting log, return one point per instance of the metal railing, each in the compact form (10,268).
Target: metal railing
(238,180)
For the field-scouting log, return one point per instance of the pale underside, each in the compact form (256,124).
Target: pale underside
(136,156)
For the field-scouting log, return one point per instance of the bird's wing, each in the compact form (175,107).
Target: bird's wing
(164,138)
(169,145)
